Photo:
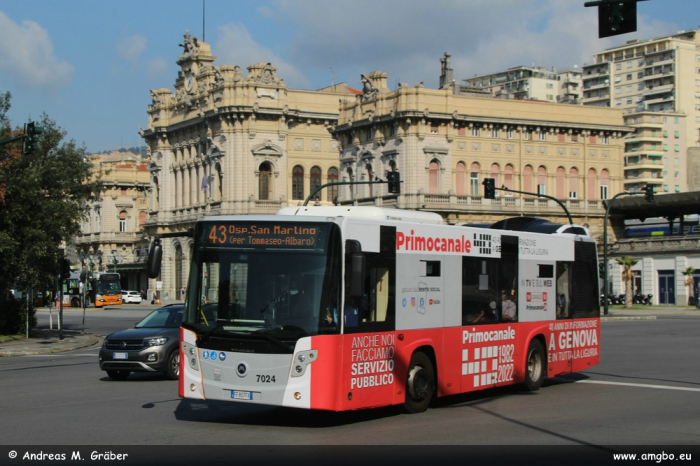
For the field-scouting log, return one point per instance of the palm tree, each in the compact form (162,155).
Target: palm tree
(627,263)
(690,283)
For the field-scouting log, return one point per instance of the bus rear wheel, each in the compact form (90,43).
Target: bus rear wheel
(420,383)
(534,366)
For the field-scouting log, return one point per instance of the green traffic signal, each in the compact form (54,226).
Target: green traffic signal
(394,180)
(31,136)
(489,188)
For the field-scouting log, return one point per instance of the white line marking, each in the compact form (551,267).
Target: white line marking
(641,385)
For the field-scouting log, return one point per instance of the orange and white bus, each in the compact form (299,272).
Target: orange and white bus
(343,308)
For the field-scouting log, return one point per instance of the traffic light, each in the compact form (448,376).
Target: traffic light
(615,16)
(65,269)
(394,180)
(31,138)
(601,270)
(489,188)
(649,193)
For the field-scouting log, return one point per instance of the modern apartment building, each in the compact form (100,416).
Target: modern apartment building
(660,75)
(522,82)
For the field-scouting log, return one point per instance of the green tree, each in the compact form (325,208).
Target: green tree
(627,263)
(45,196)
(690,283)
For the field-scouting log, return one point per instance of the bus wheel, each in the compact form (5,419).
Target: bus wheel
(172,370)
(118,375)
(534,374)
(420,384)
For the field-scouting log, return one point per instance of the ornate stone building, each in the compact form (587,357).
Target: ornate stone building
(227,142)
(444,142)
(112,236)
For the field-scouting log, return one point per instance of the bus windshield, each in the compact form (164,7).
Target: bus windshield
(265,279)
(108,286)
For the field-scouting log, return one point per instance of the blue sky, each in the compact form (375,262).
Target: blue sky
(90,64)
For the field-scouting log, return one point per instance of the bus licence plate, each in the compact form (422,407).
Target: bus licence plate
(240,395)
(120,356)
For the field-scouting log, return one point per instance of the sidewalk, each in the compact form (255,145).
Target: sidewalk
(45,341)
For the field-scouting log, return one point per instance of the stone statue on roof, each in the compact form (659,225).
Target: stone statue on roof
(190,45)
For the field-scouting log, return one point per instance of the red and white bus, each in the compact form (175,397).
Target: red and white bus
(343,308)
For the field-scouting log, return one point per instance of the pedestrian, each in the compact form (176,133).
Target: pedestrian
(153,301)
(143,295)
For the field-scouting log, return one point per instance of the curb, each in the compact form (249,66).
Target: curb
(69,342)
(619,318)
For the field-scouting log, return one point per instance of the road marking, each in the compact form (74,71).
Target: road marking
(641,385)
(59,355)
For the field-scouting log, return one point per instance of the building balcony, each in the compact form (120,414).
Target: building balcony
(599,98)
(660,100)
(642,179)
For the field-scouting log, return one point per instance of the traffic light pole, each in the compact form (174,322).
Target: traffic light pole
(340,183)
(571,222)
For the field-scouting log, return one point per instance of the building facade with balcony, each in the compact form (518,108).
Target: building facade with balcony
(642,77)
(444,145)
(112,236)
(229,142)
(530,83)
(655,153)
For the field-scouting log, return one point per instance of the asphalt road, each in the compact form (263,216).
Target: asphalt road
(646,391)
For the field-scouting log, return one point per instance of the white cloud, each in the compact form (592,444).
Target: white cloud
(26,54)
(407,38)
(130,47)
(236,46)
(157,68)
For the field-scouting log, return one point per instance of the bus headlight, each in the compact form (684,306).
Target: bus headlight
(155,341)
(99,297)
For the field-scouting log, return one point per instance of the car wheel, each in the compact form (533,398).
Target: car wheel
(173,368)
(118,375)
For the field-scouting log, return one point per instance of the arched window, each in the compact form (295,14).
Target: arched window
(561,183)
(156,194)
(351,177)
(541,180)
(527,179)
(297,183)
(604,184)
(474,182)
(122,221)
(218,192)
(433,171)
(496,175)
(370,177)
(573,183)
(461,179)
(315,179)
(265,182)
(591,182)
(508,177)
(332,190)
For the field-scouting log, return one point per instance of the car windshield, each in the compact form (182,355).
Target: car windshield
(162,318)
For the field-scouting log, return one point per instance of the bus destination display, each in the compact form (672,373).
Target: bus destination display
(264,234)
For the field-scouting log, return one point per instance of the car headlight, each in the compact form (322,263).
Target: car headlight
(155,341)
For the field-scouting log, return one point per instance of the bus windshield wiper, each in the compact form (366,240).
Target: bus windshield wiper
(274,340)
(203,338)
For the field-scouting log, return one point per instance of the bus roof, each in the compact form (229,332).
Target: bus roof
(379,213)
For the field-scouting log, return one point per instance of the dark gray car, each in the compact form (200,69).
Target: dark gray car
(151,346)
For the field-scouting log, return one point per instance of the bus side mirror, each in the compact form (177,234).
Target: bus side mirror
(155,255)
(355,269)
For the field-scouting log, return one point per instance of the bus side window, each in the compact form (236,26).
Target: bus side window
(480,295)
(564,290)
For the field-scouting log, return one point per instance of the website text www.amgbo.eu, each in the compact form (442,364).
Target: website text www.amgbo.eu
(656,457)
